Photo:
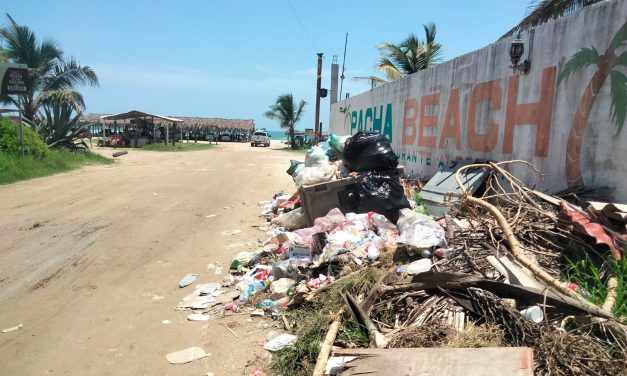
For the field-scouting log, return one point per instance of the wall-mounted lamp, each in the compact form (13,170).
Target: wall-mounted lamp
(342,109)
(516,50)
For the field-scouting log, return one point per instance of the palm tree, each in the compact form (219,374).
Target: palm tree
(410,56)
(287,112)
(53,77)
(540,11)
(606,65)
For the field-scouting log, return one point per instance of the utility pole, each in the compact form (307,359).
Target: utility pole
(318,129)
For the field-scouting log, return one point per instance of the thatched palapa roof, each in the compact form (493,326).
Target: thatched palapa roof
(181,121)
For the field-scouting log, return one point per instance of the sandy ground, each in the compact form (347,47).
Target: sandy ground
(90,261)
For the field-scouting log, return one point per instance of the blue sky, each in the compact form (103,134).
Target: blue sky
(231,59)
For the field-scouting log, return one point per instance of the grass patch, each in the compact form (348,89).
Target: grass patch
(312,322)
(179,146)
(14,168)
(591,276)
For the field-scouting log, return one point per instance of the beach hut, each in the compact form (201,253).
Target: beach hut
(210,129)
(183,127)
(136,129)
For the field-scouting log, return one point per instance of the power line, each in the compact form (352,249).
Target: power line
(302,26)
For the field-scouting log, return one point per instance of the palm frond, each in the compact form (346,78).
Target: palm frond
(300,111)
(69,96)
(430,30)
(622,59)
(69,74)
(7,99)
(374,80)
(618,89)
(394,55)
(541,11)
(389,69)
(409,56)
(270,114)
(620,37)
(581,59)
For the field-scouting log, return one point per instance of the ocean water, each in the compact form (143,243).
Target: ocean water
(278,135)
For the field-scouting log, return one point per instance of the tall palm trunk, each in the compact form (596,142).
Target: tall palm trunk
(580,122)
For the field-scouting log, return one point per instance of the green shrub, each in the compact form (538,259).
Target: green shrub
(10,140)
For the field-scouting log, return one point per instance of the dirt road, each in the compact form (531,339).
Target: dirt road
(90,261)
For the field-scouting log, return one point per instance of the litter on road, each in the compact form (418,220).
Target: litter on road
(490,275)
(186,355)
(188,280)
(11,329)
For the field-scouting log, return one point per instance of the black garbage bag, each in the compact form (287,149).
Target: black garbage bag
(369,151)
(381,193)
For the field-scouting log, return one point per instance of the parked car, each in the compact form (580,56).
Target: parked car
(260,138)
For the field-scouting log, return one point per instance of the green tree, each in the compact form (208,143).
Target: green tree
(606,65)
(53,76)
(410,56)
(541,11)
(287,113)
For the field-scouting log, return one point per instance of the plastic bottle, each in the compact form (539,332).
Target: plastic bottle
(444,252)
(267,304)
(244,297)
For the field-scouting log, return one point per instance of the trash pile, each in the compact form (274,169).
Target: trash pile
(526,275)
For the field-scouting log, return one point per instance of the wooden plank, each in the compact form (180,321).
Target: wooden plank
(504,361)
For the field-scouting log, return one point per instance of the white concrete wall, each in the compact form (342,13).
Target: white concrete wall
(540,112)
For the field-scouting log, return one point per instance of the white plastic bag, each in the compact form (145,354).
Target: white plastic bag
(419,231)
(292,220)
(319,173)
(316,155)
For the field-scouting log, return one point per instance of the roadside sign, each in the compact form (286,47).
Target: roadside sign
(15,79)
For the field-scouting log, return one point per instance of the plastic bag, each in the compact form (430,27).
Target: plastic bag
(295,166)
(338,142)
(387,231)
(280,286)
(292,220)
(316,174)
(288,269)
(330,151)
(381,194)
(279,200)
(330,221)
(419,231)
(316,155)
(369,151)
(241,260)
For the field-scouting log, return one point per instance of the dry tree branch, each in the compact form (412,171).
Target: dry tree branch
(514,245)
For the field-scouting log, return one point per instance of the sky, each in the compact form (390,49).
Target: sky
(231,59)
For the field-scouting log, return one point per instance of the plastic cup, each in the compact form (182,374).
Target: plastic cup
(533,313)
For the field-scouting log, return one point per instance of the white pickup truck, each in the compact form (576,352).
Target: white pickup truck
(260,138)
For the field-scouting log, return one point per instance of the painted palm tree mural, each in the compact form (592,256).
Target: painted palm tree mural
(606,65)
